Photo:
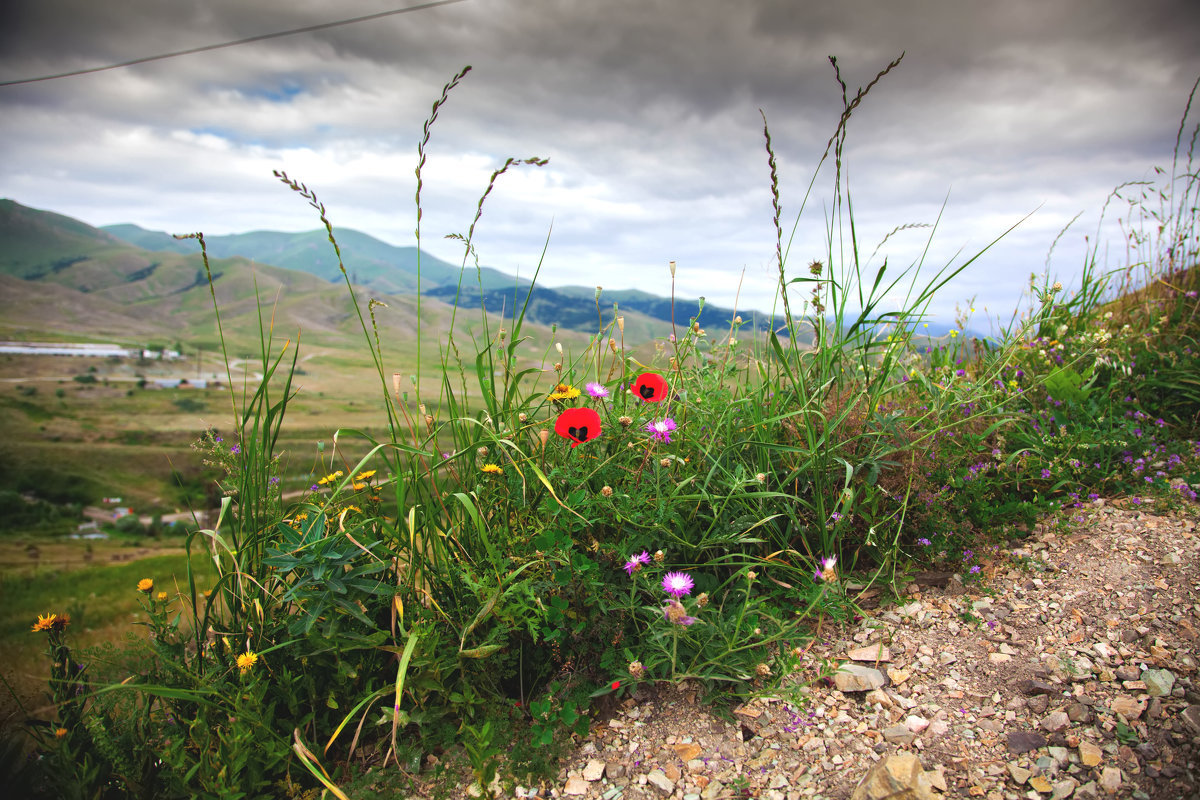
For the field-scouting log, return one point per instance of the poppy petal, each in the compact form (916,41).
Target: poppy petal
(651,387)
(578,424)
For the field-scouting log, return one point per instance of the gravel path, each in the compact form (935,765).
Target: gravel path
(1070,671)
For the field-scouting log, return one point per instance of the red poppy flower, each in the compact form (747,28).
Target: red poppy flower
(578,424)
(616,685)
(651,387)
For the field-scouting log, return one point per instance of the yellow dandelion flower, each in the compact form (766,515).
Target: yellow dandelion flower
(492,469)
(362,476)
(162,596)
(358,486)
(246,661)
(564,391)
(44,623)
(145,585)
(60,733)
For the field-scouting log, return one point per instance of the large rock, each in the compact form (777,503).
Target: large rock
(897,777)
(1158,682)
(857,678)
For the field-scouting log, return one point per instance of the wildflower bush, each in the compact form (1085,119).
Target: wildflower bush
(545,526)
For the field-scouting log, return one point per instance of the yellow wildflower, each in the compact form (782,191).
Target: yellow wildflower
(145,585)
(60,733)
(564,391)
(44,623)
(246,661)
(358,486)
(362,476)
(492,469)
(301,517)
(162,596)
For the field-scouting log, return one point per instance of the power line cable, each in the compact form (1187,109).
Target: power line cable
(260,38)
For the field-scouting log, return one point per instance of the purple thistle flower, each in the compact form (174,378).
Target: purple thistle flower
(826,572)
(636,562)
(661,430)
(677,584)
(597,390)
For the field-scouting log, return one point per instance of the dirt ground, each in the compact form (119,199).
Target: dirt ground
(1070,671)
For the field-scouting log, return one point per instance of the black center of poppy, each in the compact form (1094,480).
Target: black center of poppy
(579,433)
(646,392)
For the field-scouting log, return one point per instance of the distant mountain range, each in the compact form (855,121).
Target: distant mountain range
(393,270)
(126,270)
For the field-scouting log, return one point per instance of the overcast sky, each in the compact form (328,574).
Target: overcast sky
(648,112)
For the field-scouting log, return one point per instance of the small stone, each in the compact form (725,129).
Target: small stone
(714,790)
(899,734)
(896,776)
(1127,707)
(687,752)
(658,779)
(1158,682)
(1019,773)
(1110,779)
(857,678)
(1064,789)
(594,771)
(1089,754)
(1056,722)
(1191,718)
(576,786)
(916,724)
(1040,784)
(1024,741)
(1035,686)
(1038,703)
(1078,712)
(870,653)
(613,770)
(999,658)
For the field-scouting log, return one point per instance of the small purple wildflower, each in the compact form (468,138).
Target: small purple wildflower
(597,390)
(677,584)
(661,430)
(1045,473)
(975,570)
(235,449)
(924,542)
(636,562)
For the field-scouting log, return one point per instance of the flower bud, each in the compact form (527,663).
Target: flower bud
(482,451)
(763,670)
(523,417)
(558,367)
(544,436)
(558,347)
(737,320)
(664,462)
(606,491)
(637,670)
(671,266)
(751,575)
(625,421)
(659,555)
(702,600)
(761,477)
(612,344)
